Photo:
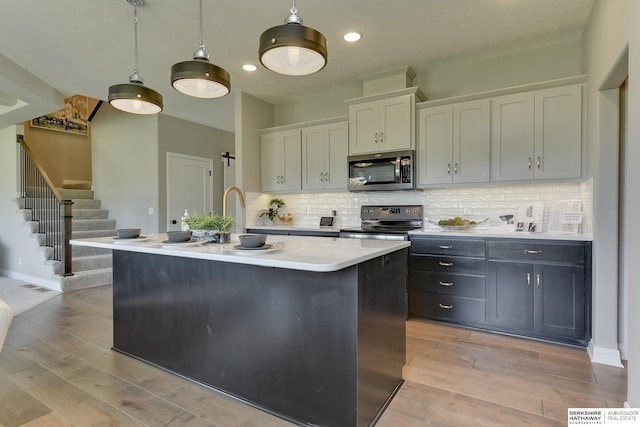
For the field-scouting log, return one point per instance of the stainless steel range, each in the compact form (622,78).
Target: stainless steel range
(391,222)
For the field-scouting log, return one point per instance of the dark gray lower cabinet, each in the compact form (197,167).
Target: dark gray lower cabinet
(447,279)
(535,288)
(544,297)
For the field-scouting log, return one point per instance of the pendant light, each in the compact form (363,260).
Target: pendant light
(199,77)
(134,97)
(292,48)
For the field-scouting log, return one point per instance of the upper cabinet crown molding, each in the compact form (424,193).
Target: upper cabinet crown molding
(504,91)
(305,124)
(414,90)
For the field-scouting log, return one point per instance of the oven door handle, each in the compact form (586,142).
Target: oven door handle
(398,176)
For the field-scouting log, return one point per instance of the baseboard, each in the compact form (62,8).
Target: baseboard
(604,356)
(50,284)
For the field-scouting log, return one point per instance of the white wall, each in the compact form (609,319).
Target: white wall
(20,255)
(125,167)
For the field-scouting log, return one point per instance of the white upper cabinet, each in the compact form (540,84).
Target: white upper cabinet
(537,135)
(558,133)
(382,125)
(454,143)
(324,156)
(281,161)
(512,137)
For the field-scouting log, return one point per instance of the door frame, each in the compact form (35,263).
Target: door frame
(170,157)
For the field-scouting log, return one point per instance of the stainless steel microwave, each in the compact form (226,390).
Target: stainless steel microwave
(382,171)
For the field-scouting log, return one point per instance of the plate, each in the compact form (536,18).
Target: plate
(138,239)
(192,242)
(458,227)
(239,249)
(261,248)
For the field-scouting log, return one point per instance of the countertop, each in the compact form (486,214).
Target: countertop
(498,232)
(319,254)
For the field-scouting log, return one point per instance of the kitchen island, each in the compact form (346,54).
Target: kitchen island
(311,330)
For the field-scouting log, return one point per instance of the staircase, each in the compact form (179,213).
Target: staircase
(91,266)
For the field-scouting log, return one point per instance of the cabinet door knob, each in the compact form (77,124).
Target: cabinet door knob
(375,138)
(445,284)
(539,162)
(445,306)
(448,168)
(533,252)
(381,137)
(455,168)
(445,264)
(529,163)
(445,246)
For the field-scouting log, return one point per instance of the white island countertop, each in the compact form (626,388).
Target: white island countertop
(319,254)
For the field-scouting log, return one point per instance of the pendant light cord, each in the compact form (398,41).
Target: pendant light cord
(293,9)
(201,38)
(136,72)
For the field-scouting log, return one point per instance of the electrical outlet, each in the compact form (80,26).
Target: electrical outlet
(150,211)
(20,262)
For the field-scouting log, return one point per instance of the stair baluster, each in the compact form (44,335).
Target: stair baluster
(48,208)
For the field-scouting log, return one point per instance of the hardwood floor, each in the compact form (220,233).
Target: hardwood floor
(57,369)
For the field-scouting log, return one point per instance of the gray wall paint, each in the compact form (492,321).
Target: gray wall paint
(20,255)
(124,151)
(455,79)
(184,137)
(252,114)
(604,40)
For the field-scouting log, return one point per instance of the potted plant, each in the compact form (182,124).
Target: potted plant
(212,228)
(272,211)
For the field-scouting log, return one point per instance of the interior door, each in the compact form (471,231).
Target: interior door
(189,186)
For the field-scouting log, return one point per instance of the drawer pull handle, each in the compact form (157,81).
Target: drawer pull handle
(528,280)
(445,306)
(445,264)
(536,252)
(446,283)
(445,246)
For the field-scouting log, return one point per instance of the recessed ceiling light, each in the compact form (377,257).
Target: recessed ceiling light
(353,36)
(249,67)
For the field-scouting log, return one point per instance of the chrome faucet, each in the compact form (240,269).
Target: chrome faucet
(226,194)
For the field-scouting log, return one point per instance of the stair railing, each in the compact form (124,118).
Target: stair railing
(48,208)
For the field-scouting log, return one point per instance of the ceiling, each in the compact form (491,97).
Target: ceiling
(83,47)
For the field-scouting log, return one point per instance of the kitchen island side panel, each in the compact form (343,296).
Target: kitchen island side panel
(382,343)
(283,340)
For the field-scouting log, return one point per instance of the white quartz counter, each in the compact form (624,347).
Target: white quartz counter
(498,232)
(320,254)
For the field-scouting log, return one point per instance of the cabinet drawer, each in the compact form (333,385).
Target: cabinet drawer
(447,284)
(447,246)
(447,264)
(445,307)
(533,251)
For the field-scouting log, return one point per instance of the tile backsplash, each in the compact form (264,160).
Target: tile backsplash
(490,201)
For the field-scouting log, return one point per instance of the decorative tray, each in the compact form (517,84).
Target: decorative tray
(458,223)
